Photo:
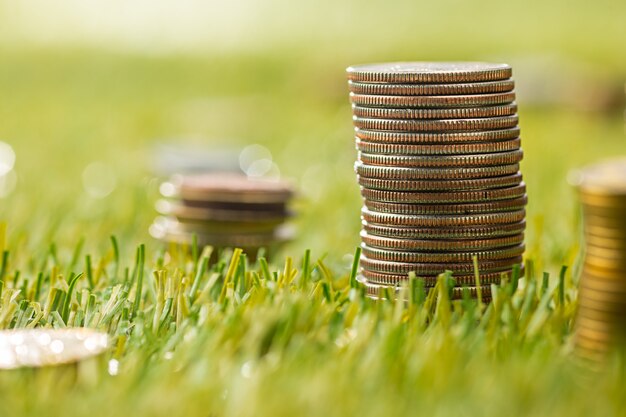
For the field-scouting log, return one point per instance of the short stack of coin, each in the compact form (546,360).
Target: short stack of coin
(224,210)
(601,320)
(438,165)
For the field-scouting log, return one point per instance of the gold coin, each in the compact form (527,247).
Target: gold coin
(470,208)
(436,125)
(604,295)
(433,161)
(454,232)
(449,149)
(429,72)
(617,286)
(442,221)
(401,256)
(606,179)
(605,242)
(430,89)
(401,173)
(601,305)
(441,185)
(603,232)
(437,138)
(609,265)
(449,113)
(438,268)
(447,245)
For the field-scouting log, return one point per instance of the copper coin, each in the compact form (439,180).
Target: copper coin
(421,257)
(434,161)
(430,89)
(403,173)
(421,113)
(442,220)
(429,72)
(184,212)
(449,149)
(471,208)
(432,268)
(404,102)
(447,245)
(437,138)
(430,281)
(441,185)
(436,125)
(227,188)
(474,232)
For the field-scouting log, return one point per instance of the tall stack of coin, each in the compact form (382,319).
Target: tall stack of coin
(224,210)
(438,164)
(601,321)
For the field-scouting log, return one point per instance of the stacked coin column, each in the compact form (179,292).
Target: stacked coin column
(601,321)
(438,165)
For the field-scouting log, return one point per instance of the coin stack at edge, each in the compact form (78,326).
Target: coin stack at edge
(224,210)
(600,324)
(438,165)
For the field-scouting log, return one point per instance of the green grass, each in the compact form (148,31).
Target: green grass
(240,338)
(294,336)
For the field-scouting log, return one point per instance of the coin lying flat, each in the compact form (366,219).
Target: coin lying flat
(445,245)
(227,188)
(408,102)
(470,208)
(430,281)
(441,185)
(440,137)
(429,72)
(438,268)
(171,233)
(374,217)
(376,291)
(430,89)
(436,125)
(471,232)
(449,113)
(404,173)
(444,197)
(186,212)
(448,149)
(435,161)
(35,348)
(401,256)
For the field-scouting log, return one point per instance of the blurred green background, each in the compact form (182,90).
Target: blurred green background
(87,89)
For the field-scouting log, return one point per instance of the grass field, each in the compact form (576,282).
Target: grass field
(295,337)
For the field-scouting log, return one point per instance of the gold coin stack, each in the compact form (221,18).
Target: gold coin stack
(438,165)
(600,324)
(224,210)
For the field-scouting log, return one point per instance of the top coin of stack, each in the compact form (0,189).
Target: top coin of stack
(601,324)
(224,210)
(438,164)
